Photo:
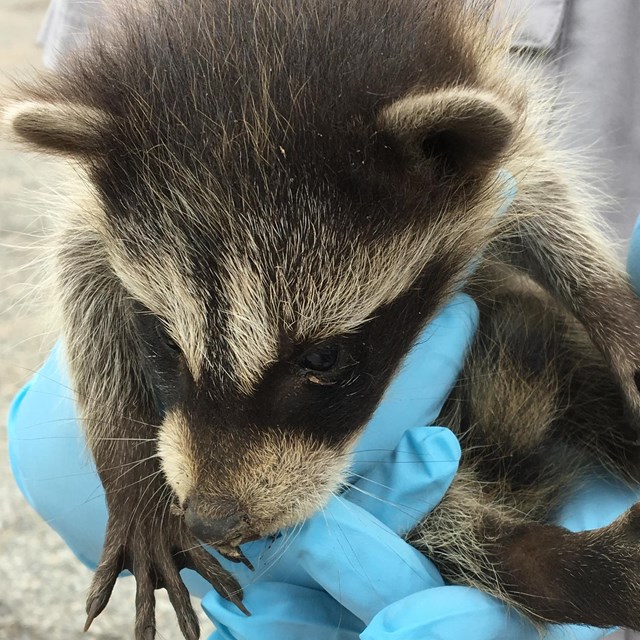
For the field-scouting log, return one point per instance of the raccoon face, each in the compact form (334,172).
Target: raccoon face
(271,326)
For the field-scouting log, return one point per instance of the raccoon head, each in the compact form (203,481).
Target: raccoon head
(281,242)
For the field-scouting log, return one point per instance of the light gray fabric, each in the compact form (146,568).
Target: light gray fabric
(598,58)
(591,48)
(541,23)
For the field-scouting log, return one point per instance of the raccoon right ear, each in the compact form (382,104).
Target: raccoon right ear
(458,132)
(63,128)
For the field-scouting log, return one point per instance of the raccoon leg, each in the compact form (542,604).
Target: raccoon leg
(550,235)
(548,573)
(143,534)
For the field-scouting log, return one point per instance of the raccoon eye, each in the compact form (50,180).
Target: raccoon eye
(322,359)
(164,338)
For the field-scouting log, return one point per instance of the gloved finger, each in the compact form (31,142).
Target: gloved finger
(412,479)
(416,394)
(633,257)
(451,613)
(359,561)
(281,611)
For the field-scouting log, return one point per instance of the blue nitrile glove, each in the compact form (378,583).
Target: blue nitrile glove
(47,457)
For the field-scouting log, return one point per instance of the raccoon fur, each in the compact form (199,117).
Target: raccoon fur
(278,195)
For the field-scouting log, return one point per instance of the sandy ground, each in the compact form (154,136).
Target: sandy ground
(42,585)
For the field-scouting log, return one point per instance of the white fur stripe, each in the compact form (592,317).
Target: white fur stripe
(176,452)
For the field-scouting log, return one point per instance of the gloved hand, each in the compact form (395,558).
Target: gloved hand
(310,582)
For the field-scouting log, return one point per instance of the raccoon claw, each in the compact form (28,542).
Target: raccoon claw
(235,554)
(222,581)
(101,587)
(145,627)
(94,608)
(179,598)
(246,562)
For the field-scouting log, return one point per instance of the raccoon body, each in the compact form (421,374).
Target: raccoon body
(277,196)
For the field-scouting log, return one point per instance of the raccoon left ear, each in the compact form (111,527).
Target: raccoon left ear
(66,128)
(458,132)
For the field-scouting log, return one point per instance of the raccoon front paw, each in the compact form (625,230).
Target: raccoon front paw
(154,550)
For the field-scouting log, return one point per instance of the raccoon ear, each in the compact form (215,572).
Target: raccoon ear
(457,132)
(65,128)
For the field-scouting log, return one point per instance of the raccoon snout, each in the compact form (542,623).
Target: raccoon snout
(225,528)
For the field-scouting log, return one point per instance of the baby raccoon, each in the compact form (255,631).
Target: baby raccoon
(278,195)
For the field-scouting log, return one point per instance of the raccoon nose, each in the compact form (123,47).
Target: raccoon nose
(214,530)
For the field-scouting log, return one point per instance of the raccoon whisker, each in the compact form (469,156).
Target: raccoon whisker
(419,462)
(192,547)
(385,460)
(137,510)
(284,543)
(156,504)
(73,400)
(164,499)
(107,439)
(400,507)
(353,555)
(96,495)
(264,562)
(381,527)
(79,436)
(379,484)
(150,476)
(133,464)
(91,472)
